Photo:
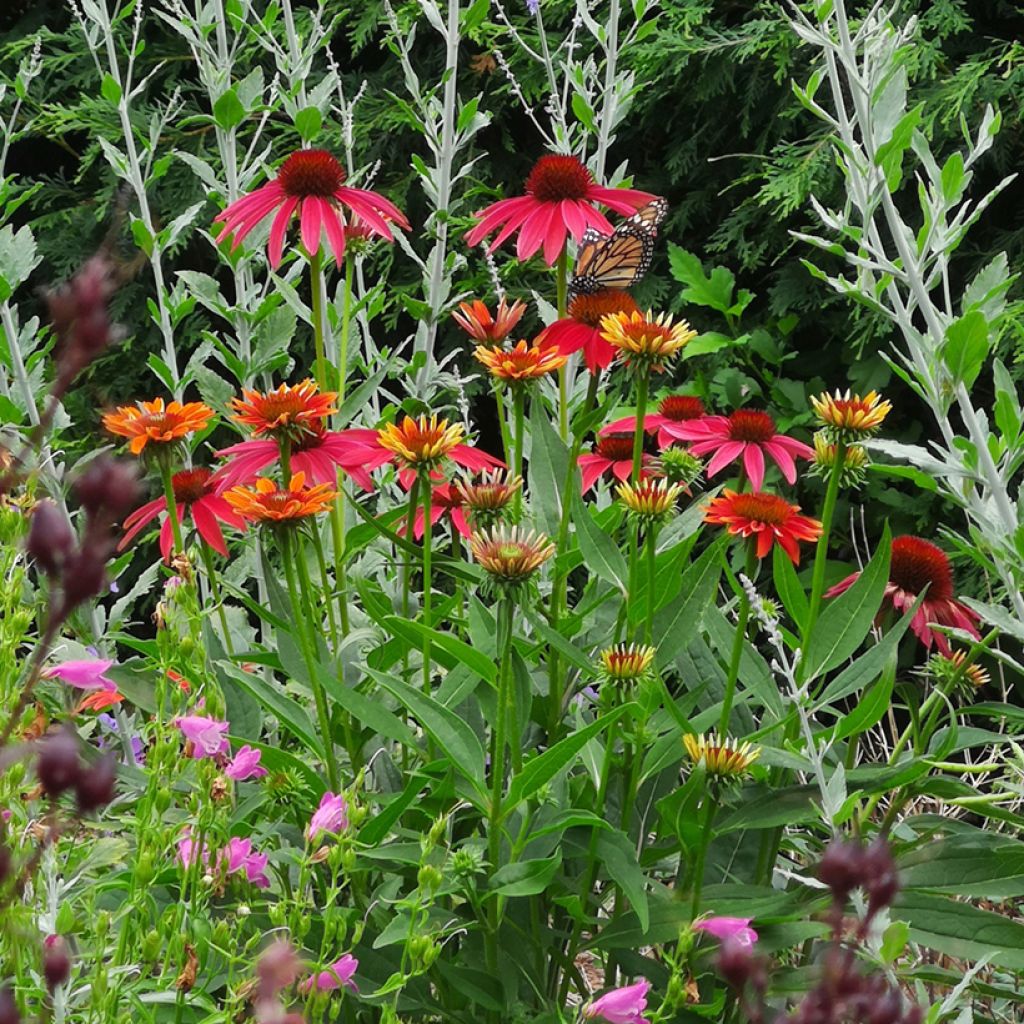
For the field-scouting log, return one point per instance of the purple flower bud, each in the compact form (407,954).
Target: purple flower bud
(108,488)
(56,962)
(97,784)
(58,765)
(8,1007)
(85,575)
(842,868)
(5,863)
(50,539)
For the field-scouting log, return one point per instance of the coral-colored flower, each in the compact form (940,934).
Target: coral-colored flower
(87,674)
(767,517)
(99,700)
(206,735)
(476,320)
(626,663)
(444,499)
(559,202)
(580,328)
(156,422)
(621,1005)
(509,555)
(850,416)
(747,434)
(612,454)
(520,363)
(286,411)
(309,184)
(238,855)
(917,564)
(672,409)
(724,758)
(645,340)
(195,493)
(338,975)
(330,817)
(488,496)
(245,765)
(268,503)
(736,928)
(318,453)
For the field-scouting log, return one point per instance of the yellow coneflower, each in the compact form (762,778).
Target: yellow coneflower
(855,460)
(724,758)
(421,443)
(644,339)
(649,499)
(626,663)
(521,363)
(847,416)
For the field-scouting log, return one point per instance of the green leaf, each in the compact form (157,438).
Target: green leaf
(449,650)
(228,111)
(984,865)
(966,346)
(677,624)
(847,619)
(787,585)
(308,123)
(584,114)
(953,178)
(894,941)
(549,463)
(868,710)
(714,291)
(110,89)
(526,877)
(599,551)
(770,807)
(617,854)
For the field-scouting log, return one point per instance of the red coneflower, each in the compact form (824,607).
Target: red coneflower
(614,454)
(195,492)
(748,434)
(559,201)
(476,320)
(444,499)
(766,516)
(671,409)
(917,564)
(309,184)
(581,327)
(155,422)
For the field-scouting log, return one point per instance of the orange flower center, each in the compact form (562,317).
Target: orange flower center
(589,309)
(282,408)
(617,447)
(555,177)
(681,407)
(917,564)
(311,172)
(190,485)
(762,508)
(751,425)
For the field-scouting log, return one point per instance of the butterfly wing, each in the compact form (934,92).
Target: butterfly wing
(615,261)
(648,218)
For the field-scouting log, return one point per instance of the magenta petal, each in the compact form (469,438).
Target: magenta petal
(533,231)
(725,453)
(335,234)
(278,229)
(310,217)
(375,201)
(753,463)
(209,530)
(782,459)
(574,218)
(593,466)
(474,458)
(554,238)
(357,203)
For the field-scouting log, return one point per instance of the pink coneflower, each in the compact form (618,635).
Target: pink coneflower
(915,565)
(725,928)
(309,184)
(621,1005)
(245,765)
(748,434)
(195,493)
(318,453)
(331,816)
(559,202)
(672,409)
(206,735)
(88,674)
(580,328)
(338,975)
(612,454)
(444,499)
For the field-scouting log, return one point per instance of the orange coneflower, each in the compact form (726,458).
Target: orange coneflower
(850,416)
(289,409)
(476,320)
(153,421)
(266,502)
(724,758)
(767,517)
(645,339)
(521,363)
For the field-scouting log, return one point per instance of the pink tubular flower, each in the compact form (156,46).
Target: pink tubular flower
(915,565)
(309,184)
(245,765)
(205,734)
(614,454)
(559,202)
(195,492)
(748,434)
(331,817)
(672,409)
(736,928)
(318,453)
(188,847)
(338,975)
(239,856)
(621,1005)
(83,675)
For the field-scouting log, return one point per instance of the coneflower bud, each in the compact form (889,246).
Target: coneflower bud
(626,663)
(50,539)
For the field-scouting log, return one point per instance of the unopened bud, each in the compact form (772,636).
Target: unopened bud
(50,539)
(56,962)
(96,785)
(108,488)
(8,1007)
(58,767)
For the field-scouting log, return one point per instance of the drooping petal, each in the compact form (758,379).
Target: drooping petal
(574,218)
(592,466)
(496,214)
(474,458)
(533,231)
(377,202)
(726,453)
(514,222)
(782,459)
(209,530)
(140,519)
(356,201)
(335,233)
(554,237)
(310,219)
(753,464)
(278,230)
(621,200)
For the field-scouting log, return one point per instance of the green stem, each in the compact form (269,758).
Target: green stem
(737,645)
(318,546)
(518,403)
(316,282)
(346,326)
(506,439)
(642,386)
(702,854)
(561,294)
(410,524)
(652,544)
(427,581)
(211,575)
(821,552)
(167,479)
(284,445)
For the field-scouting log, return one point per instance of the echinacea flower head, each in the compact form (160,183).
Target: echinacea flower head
(580,328)
(245,764)
(722,758)
(476,320)
(626,663)
(489,495)
(679,466)
(195,496)
(645,341)
(421,443)
(509,555)
(766,517)
(736,929)
(919,567)
(86,674)
(855,461)
(266,502)
(206,736)
(337,975)
(748,435)
(157,423)
(289,410)
(847,417)
(309,185)
(649,500)
(671,409)
(560,202)
(613,453)
(330,817)
(520,364)
(621,1005)
(945,667)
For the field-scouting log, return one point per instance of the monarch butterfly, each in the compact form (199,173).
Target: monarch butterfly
(620,259)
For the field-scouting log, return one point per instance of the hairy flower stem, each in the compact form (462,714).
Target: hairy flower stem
(642,388)
(697,876)
(506,439)
(166,478)
(284,445)
(502,713)
(427,581)
(325,580)
(291,552)
(561,294)
(317,288)
(410,526)
(821,552)
(737,644)
(218,600)
(518,403)
(652,547)
(560,583)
